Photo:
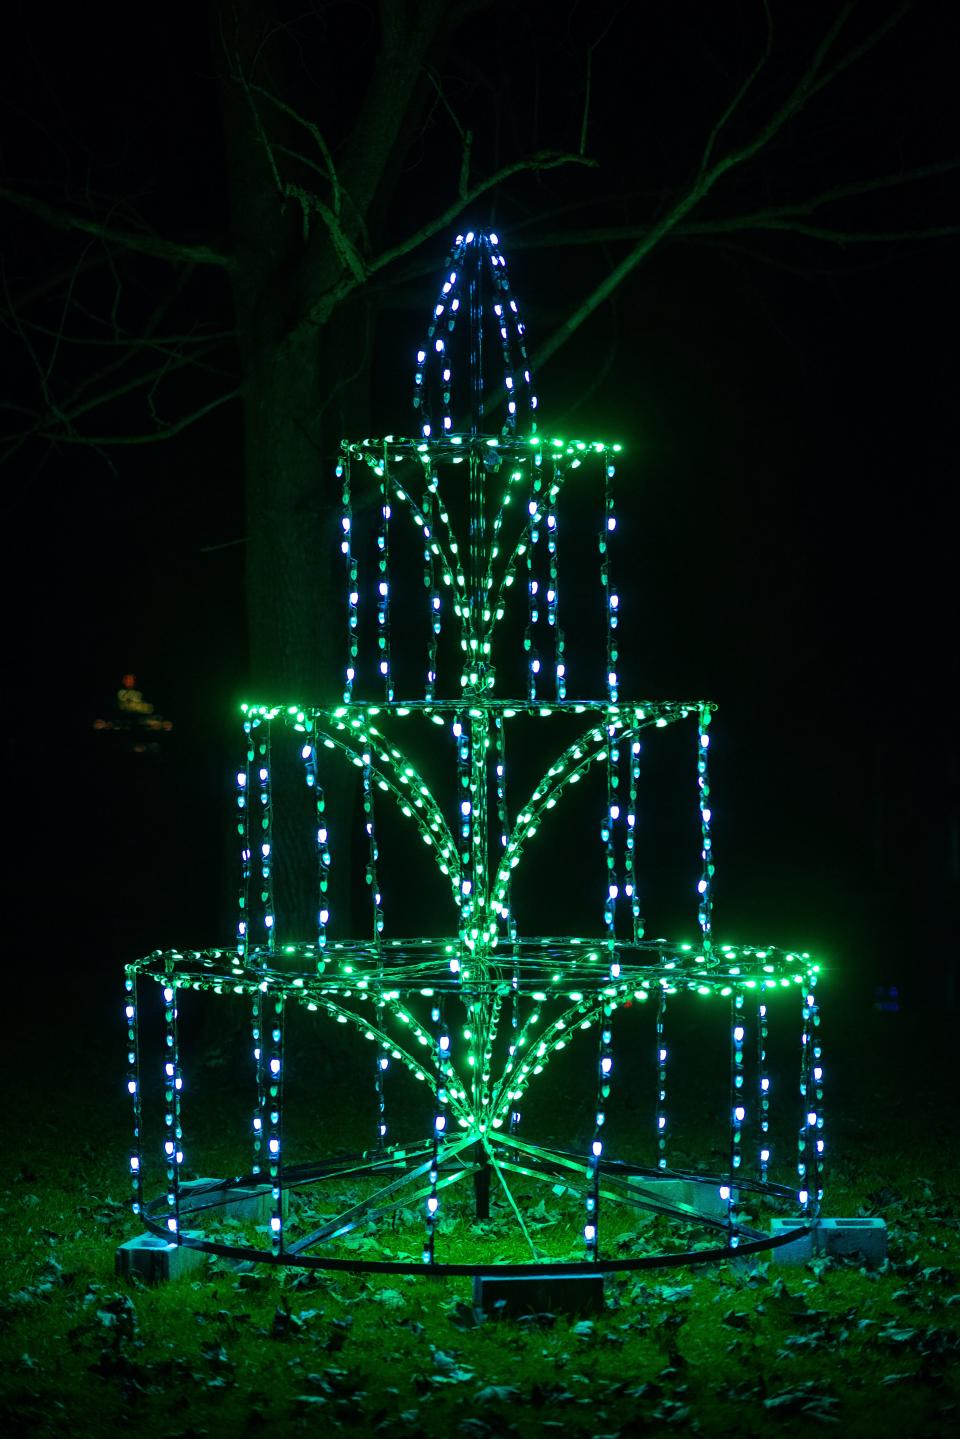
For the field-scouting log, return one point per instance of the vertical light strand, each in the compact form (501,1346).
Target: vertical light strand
(763,1091)
(630,856)
(705,882)
(353,591)
(508,922)
(610,596)
(737,1117)
(259,1066)
(461,735)
(308,753)
(553,583)
(608,836)
(661,1051)
(441,1096)
(172,1086)
(534,601)
(373,850)
(274,1017)
(263,760)
(383,580)
(507,311)
(591,1228)
(816,1078)
(430,581)
(131,1014)
(244,777)
(382,1063)
(810,1139)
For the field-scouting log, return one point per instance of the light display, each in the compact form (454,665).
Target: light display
(451,545)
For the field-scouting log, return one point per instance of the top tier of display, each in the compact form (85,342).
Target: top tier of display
(479,488)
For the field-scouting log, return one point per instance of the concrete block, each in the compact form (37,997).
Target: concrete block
(703,1197)
(214,1201)
(155,1260)
(517,1295)
(833,1238)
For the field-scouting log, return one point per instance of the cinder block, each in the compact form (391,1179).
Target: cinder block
(214,1201)
(156,1260)
(702,1196)
(835,1238)
(538,1294)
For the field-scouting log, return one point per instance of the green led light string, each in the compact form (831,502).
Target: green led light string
(763,1092)
(172,1086)
(524,998)
(353,588)
(132,1017)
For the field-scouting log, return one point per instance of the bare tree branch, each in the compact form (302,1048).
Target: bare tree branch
(175,427)
(770,217)
(740,94)
(810,83)
(144,244)
(545,160)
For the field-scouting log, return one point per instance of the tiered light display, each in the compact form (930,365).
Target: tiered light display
(477,1016)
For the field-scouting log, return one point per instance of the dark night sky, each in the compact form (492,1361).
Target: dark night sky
(791,400)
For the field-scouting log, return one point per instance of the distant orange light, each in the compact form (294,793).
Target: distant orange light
(129,681)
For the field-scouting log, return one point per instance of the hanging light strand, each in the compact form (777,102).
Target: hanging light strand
(259,1069)
(383,581)
(265,844)
(373,849)
(308,753)
(763,1092)
(132,1017)
(705,883)
(591,1228)
(430,582)
(661,1057)
(244,778)
(534,598)
(353,589)
(274,1015)
(737,1116)
(172,1086)
(632,740)
(611,596)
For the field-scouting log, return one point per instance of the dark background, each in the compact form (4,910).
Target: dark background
(791,400)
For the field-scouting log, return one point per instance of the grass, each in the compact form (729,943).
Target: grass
(263,1351)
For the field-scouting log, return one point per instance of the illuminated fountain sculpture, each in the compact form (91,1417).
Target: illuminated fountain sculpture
(469,516)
